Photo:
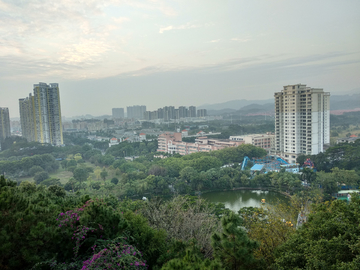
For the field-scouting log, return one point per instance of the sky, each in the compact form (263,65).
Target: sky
(117,53)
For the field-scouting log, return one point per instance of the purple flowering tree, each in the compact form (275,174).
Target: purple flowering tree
(115,255)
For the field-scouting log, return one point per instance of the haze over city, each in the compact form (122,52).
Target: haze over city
(107,54)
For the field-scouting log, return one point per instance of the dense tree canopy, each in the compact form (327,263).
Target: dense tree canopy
(329,240)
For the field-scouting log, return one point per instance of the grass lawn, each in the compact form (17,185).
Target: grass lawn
(65,175)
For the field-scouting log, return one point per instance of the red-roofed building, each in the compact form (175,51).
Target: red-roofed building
(142,137)
(114,141)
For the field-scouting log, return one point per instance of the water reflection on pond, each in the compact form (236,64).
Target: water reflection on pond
(236,199)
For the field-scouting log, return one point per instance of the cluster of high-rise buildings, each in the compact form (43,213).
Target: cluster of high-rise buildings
(169,113)
(302,127)
(166,113)
(302,121)
(40,115)
(132,112)
(136,111)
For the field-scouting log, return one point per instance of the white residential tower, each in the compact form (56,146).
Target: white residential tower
(302,121)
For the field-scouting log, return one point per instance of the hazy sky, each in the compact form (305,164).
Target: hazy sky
(117,53)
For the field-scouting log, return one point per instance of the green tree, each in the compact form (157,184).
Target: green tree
(51,181)
(64,163)
(114,180)
(329,240)
(35,169)
(71,163)
(233,247)
(57,190)
(104,174)
(206,163)
(81,174)
(96,185)
(192,261)
(308,175)
(40,176)
(70,185)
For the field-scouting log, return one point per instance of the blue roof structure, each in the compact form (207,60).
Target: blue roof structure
(257,167)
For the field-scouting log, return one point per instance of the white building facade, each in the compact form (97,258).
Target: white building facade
(302,121)
(265,141)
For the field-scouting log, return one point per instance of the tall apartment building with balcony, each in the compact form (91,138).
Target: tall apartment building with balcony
(28,118)
(4,124)
(136,111)
(302,121)
(40,115)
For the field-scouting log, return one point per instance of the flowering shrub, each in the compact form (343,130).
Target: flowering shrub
(115,255)
(79,236)
(71,217)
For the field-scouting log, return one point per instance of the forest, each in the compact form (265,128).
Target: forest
(49,228)
(95,219)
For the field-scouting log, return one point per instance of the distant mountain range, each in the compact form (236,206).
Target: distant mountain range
(234,104)
(349,101)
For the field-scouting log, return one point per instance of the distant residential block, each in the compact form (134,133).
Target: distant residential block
(136,111)
(201,113)
(4,124)
(171,142)
(118,113)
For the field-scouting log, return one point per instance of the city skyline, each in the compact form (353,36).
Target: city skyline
(108,54)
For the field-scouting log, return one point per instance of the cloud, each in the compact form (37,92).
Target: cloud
(86,51)
(250,64)
(215,40)
(158,5)
(241,39)
(180,27)
(68,32)
(120,19)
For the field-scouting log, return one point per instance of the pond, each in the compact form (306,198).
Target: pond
(236,199)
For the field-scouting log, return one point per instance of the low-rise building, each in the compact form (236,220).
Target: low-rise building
(142,137)
(350,139)
(265,141)
(163,140)
(171,142)
(185,133)
(114,141)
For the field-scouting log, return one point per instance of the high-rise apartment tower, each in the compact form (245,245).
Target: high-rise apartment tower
(302,121)
(4,124)
(40,115)
(118,113)
(136,111)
